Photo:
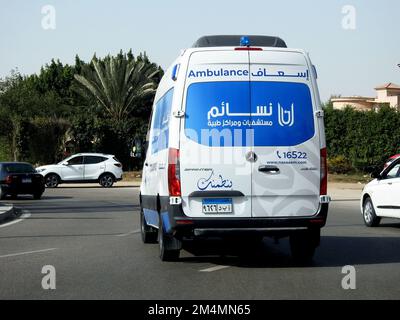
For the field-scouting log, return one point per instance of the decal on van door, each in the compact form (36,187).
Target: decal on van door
(241,113)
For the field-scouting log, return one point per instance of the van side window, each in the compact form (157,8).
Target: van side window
(160,125)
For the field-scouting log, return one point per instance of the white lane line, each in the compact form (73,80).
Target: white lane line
(216,268)
(128,233)
(23,217)
(26,252)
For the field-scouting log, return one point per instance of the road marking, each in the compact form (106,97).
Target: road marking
(26,252)
(129,233)
(23,217)
(216,268)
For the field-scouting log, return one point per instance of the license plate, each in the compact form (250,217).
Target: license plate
(26,180)
(217,205)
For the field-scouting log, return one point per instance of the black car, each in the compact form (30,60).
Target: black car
(20,178)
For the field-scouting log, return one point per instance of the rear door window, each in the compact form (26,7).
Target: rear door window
(217,113)
(94,159)
(282,113)
(241,113)
(75,161)
(18,168)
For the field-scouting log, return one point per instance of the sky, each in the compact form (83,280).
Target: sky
(353,43)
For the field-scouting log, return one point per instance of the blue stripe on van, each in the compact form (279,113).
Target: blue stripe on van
(165,220)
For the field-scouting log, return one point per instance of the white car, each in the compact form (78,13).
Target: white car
(380,197)
(236,147)
(83,167)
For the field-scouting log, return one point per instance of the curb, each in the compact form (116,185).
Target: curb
(6,211)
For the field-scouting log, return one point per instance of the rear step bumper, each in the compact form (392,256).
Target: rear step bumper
(181,225)
(177,223)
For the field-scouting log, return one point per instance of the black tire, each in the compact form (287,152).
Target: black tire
(37,196)
(166,242)
(106,180)
(2,194)
(369,216)
(149,233)
(52,180)
(303,245)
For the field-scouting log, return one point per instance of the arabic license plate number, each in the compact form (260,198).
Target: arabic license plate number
(217,205)
(26,180)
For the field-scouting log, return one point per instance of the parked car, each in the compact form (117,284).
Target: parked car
(390,160)
(204,177)
(20,178)
(381,197)
(83,168)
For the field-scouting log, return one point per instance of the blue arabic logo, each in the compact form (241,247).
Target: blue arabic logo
(213,182)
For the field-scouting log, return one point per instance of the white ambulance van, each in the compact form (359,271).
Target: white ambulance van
(236,147)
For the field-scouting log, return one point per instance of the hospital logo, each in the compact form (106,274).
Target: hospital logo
(286,117)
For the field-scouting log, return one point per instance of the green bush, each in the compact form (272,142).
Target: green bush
(365,138)
(339,164)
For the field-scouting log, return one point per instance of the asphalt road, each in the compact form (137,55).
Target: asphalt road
(91,236)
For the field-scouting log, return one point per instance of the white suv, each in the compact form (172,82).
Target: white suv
(380,197)
(83,167)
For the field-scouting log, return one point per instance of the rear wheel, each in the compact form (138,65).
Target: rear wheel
(106,180)
(169,246)
(2,194)
(52,180)
(149,233)
(303,245)
(369,215)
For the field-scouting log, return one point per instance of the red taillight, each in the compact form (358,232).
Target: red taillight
(184,222)
(248,49)
(174,183)
(9,179)
(324,173)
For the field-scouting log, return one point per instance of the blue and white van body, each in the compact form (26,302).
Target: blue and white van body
(236,145)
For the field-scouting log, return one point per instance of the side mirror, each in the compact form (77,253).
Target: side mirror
(376,175)
(65,164)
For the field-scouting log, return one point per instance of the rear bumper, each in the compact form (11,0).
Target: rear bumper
(22,189)
(184,226)
(177,223)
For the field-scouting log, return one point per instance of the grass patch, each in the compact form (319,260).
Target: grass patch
(132,176)
(350,177)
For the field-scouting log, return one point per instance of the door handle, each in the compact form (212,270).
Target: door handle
(269,169)
(146,164)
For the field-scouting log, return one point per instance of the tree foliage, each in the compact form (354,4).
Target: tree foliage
(100,106)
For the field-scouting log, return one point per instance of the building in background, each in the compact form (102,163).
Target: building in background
(387,94)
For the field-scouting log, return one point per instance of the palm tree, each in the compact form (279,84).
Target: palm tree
(117,83)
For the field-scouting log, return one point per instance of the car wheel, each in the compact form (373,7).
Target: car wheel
(2,194)
(167,244)
(369,215)
(106,180)
(303,245)
(149,234)
(52,180)
(37,196)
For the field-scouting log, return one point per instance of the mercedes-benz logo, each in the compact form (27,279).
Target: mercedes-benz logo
(251,156)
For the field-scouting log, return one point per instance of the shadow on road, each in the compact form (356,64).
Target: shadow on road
(335,251)
(22,198)
(95,208)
